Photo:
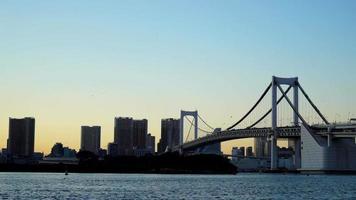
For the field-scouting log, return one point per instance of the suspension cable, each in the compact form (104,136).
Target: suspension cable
(202,130)
(205,123)
(291,105)
(253,107)
(312,104)
(269,111)
(190,128)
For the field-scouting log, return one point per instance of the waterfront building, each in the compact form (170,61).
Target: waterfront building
(21,141)
(102,153)
(169,134)
(249,152)
(90,140)
(113,149)
(150,143)
(69,153)
(123,135)
(242,151)
(57,150)
(139,134)
(262,147)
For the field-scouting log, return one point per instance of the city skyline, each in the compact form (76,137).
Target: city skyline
(76,63)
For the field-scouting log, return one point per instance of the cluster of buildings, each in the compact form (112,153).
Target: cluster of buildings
(131,138)
(247,160)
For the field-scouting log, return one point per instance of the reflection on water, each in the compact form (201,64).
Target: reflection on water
(138,186)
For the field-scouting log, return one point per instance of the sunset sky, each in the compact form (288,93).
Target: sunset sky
(72,63)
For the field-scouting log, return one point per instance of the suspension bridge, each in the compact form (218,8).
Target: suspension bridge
(320,147)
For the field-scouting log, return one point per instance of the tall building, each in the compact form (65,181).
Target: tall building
(169,134)
(139,134)
(262,147)
(249,152)
(90,140)
(123,136)
(21,141)
(150,143)
(242,151)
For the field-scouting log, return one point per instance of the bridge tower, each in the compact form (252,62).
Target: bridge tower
(276,82)
(181,129)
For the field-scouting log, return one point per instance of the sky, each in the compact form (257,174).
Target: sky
(72,63)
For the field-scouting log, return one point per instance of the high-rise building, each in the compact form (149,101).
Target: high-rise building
(249,152)
(21,141)
(150,143)
(90,140)
(124,135)
(242,151)
(262,147)
(169,134)
(139,134)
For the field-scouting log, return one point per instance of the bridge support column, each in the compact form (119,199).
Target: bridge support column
(273,138)
(295,144)
(274,153)
(296,103)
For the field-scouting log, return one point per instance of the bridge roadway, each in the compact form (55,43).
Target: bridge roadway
(283,132)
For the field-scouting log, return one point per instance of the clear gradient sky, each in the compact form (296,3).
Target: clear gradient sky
(72,63)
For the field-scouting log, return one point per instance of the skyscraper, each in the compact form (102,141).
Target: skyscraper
(169,134)
(262,147)
(21,141)
(90,140)
(124,135)
(139,134)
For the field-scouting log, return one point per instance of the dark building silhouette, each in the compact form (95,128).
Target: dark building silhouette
(124,135)
(21,141)
(90,140)
(113,149)
(169,134)
(242,151)
(139,134)
(69,153)
(249,152)
(57,150)
(150,143)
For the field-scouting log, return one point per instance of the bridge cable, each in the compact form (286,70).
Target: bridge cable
(291,105)
(202,130)
(205,123)
(253,107)
(269,111)
(190,128)
(312,104)
(306,125)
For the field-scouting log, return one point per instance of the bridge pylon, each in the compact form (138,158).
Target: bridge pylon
(181,129)
(276,82)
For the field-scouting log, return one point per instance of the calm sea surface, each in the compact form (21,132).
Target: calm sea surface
(137,186)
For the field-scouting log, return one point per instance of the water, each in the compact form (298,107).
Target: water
(138,186)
